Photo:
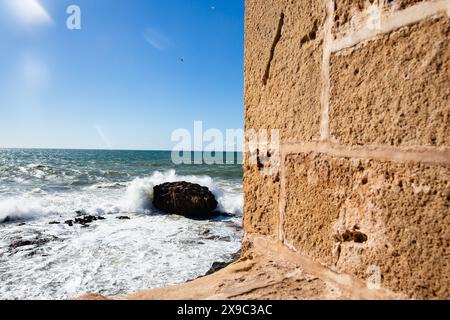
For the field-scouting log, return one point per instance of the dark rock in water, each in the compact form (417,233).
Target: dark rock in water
(224,214)
(123,218)
(183,198)
(37,242)
(69,223)
(205,232)
(54,222)
(192,242)
(114,186)
(21,243)
(216,266)
(233,225)
(219,238)
(84,220)
(6,220)
(22,224)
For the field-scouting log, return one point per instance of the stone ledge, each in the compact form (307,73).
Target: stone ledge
(267,271)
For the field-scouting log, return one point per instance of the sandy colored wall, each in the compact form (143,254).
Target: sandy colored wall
(360,94)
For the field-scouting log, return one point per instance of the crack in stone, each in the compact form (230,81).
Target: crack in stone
(272,49)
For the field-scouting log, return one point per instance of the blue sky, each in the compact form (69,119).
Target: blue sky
(135,72)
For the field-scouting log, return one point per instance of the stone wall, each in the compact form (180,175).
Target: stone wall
(360,93)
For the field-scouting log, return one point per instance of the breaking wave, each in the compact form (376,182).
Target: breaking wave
(139,194)
(17,209)
(100,199)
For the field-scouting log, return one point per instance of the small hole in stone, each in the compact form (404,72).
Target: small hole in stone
(303,40)
(433,139)
(351,235)
(258,160)
(356,72)
(364,180)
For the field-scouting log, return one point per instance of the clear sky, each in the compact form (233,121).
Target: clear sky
(136,71)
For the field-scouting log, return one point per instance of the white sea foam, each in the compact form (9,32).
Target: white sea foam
(111,256)
(231,203)
(139,195)
(135,196)
(14,209)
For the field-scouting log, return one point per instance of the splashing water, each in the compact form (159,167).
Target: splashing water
(112,256)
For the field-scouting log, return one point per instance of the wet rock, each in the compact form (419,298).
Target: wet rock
(205,232)
(184,198)
(219,265)
(114,186)
(192,242)
(219,238)
(233,225)
(6,219)
(69,223)
(37,242)
(223,214)
(123,218)
(54,222)
(83,220)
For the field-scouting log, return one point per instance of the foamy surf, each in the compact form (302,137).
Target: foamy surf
(143,249)
(135,197)
(139,194)
(19,209)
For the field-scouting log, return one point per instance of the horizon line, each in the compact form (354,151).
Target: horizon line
(94,149)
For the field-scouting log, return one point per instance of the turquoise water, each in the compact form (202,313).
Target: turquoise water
(111,256)
(69,169)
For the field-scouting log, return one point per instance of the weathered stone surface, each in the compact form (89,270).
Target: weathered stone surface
(184,198)
(353,215)
(283,42)
(261,195)
(348,10)
(395,90)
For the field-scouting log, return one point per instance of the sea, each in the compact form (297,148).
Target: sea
(132,247)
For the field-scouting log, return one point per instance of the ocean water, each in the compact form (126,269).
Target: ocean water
(110,256)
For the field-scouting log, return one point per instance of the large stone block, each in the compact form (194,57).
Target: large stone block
(283,59)
(394,90)
(261,200)
(357,216)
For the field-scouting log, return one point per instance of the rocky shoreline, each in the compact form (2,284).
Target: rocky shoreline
(37,242)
